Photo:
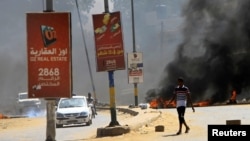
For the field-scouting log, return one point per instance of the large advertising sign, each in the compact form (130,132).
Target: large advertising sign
(49,54)
(135,67)
(108,42)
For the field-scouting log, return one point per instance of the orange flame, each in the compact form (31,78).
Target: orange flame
(160,102)
(233,96)
(232,99)
(2,116)
(202,103)
(153,103)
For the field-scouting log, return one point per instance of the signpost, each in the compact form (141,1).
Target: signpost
(134,51)
(49,59)
(109,50)
(135,71)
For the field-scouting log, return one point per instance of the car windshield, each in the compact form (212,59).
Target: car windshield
(72,102)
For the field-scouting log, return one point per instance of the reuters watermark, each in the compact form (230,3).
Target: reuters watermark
(241,132)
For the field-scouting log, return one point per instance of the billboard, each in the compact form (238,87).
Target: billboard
(49,54)
(108,42)
(135,67)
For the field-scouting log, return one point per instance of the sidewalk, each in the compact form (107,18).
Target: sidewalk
(144,117)
(139,118)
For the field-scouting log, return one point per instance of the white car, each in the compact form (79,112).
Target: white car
(143,105)
(73,110)
(27,106)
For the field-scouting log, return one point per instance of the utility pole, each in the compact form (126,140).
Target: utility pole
(134,50)
(161,49)
(50,103)
(87,54)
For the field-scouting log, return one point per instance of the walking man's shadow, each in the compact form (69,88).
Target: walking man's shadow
(171,135)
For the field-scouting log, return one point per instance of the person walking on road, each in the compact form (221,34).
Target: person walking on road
(182,95)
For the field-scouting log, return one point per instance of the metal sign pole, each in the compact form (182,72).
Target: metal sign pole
(50,103)
(114,121)
(134,50)
(51,129)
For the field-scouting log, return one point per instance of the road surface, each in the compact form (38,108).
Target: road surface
(38,132)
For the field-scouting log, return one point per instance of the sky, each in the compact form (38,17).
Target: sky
(13,48)
(211,39)
(14,58)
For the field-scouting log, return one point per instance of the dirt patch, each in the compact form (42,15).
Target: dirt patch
(20,123)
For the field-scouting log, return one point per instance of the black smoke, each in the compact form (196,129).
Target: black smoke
(214,56)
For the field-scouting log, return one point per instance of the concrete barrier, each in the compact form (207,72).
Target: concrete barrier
(233,122)
(128,111)
(121,109)
(159,128)
(130,124)
(112,131)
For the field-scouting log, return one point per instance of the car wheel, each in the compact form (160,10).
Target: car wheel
(59,125)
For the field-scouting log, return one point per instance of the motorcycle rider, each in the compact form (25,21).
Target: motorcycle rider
(91,101)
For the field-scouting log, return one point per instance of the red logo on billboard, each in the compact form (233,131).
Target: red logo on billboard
(48,35)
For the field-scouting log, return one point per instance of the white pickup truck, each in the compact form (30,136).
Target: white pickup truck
(27,106)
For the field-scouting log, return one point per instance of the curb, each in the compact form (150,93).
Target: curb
(142,120)
(129,111)
(139,117)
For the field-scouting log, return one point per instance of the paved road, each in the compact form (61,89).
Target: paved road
(213,115)
(199,122)
(69,133)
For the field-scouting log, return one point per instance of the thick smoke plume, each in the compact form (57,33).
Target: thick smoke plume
(214,56)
